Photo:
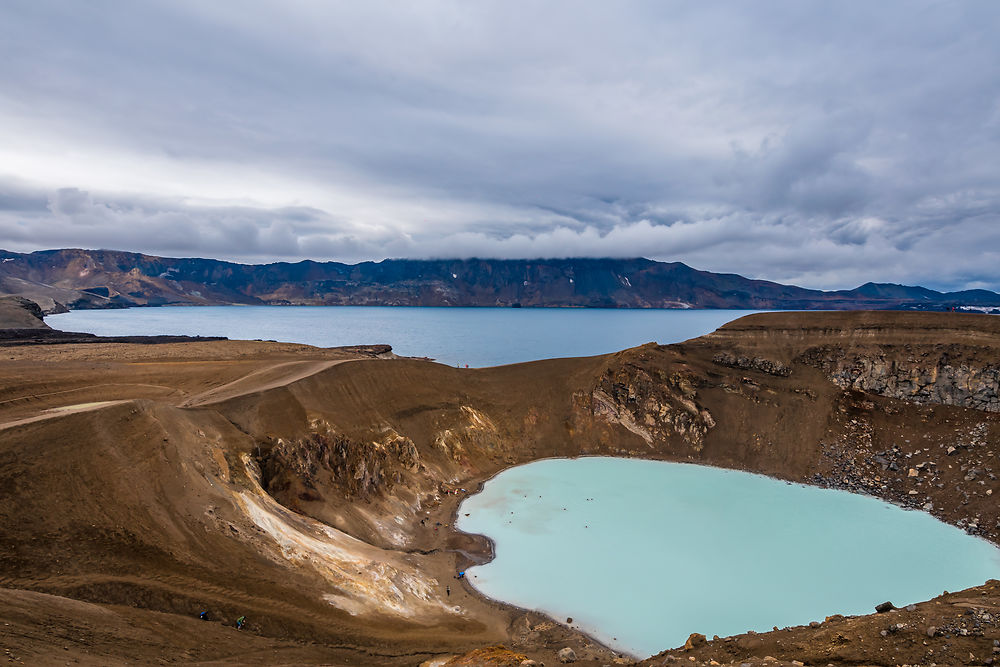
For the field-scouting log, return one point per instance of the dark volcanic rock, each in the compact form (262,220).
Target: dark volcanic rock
(946,379)
(752,363)
(46,336)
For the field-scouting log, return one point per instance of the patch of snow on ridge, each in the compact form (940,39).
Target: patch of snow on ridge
(989,310)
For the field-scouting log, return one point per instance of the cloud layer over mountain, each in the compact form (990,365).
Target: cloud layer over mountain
(823,144)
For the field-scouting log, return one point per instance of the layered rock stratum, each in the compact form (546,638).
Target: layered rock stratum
(313,490)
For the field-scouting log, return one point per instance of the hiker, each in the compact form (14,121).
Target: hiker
(460,574)
(240,622)
(447,589)
(203,615)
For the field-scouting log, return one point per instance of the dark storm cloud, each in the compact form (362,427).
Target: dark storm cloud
(818,143)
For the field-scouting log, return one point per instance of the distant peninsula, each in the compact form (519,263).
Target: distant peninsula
(82,279)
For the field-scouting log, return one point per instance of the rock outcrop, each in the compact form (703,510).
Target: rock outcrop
(939,379)
(359,471)
(657,405)
(752,363)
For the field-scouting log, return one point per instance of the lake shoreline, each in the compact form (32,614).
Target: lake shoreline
(930,542)
(478,337)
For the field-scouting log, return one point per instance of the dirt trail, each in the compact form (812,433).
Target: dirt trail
(262,379)
(53,413)
(37,381)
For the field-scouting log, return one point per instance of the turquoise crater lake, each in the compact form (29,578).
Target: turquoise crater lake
(642,553)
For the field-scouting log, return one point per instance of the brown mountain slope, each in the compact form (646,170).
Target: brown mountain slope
(225,477)
(19,313)
(114,279)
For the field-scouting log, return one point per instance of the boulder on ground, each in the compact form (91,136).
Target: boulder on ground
(566,655)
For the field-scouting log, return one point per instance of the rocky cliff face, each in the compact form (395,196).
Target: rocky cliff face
(944,361)
(110,279)
(295,470)
(659,406)
(940,379)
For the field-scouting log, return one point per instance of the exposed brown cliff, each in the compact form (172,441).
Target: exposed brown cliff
(944,360)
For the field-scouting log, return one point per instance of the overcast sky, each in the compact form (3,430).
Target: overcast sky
(824,144)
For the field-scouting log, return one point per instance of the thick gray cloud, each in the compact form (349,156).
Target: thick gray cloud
(819,143)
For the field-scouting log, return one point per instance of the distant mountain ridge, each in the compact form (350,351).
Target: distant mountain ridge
(115,279)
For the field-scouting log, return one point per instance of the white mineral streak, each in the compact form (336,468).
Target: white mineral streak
(478,420)
(389,527)
(604,406)
(367,580)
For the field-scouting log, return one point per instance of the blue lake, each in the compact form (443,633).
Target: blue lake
(474,336)
(642,553)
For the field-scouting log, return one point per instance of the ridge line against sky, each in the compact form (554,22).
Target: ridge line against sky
(819,144)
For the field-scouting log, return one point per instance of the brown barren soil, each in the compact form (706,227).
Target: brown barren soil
(312,490)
